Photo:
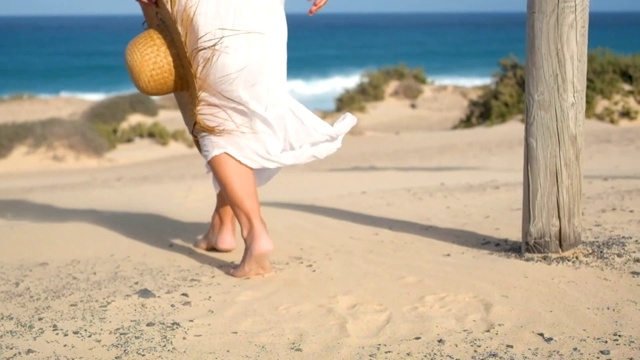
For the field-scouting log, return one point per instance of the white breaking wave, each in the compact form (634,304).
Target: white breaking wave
(93,96)
(466,81)
(319,86)
(320,93)
(317,93)
(90,96)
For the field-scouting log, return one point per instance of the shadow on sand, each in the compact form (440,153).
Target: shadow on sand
(459,237)
(161,231)
(152,229)
(404,169)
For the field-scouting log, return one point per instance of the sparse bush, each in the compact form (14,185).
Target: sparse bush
(500,102)
(155,131)
(17,96)
(97,132)
(77,136)
(183,137)
(608,75)
(373,86)
(114,110)
(12,135)
(74,135)
(107,115)
(608,114)
(350,101)
(629,113)
(616,111)
(408,89)
(403,72)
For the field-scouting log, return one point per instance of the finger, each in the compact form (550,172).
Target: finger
(317,5)
(148,2)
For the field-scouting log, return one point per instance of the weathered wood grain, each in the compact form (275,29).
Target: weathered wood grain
(556,66)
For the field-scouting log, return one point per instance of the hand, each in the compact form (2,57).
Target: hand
(148,2)
(149,12)
(317,5)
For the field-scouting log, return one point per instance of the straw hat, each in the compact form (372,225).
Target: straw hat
(156,59)
(158,63)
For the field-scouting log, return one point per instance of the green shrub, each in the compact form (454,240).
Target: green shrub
(373,85)
(77,136)
(608,74)
(629,113)
(97,132)
(114,110)
(403,72)
(408,89)
(182,136)
(107,115)
(81,136)
(352,100)
(608,114)
(616,112)
(17,96)
(12,135)
(155,131)
(500,102)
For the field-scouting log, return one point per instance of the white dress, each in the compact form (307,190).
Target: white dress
(244,88)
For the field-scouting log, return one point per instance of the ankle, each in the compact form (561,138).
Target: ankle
(255,229)
(223,220)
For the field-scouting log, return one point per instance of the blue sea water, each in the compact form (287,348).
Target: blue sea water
(83,56)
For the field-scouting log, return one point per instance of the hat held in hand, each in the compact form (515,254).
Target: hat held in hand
(157,60)
(153,65)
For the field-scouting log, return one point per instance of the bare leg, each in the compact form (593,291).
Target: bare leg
(222,231)
(239,185)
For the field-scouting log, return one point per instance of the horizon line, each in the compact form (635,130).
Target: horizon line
(426,12)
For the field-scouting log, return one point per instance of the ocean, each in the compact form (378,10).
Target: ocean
(83,56)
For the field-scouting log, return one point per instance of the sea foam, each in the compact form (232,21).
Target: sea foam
(317,93)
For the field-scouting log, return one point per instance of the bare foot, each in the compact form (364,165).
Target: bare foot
(220,237)
(255,260)
(212,243)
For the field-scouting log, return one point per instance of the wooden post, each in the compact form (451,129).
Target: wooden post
(556,70)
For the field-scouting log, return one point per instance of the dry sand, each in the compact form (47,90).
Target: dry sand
(402,245)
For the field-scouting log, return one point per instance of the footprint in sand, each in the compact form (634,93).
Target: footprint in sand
(409,280)
(360,319)
(453,311)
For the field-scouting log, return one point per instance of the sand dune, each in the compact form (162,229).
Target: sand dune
(35,109)
(401,245)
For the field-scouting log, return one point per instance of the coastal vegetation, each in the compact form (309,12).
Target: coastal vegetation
(613,94)
(75,135)
(17,96)
(107,116)
(98,130)
(373,87)
(613,91)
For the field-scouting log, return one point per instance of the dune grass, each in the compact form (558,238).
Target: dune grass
(373,86)
(98,130)
(75,135)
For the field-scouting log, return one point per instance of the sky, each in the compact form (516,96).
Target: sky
(83,7)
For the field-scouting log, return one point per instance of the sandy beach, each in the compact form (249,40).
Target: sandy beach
(402,245)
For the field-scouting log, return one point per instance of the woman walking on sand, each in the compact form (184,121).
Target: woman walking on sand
(252,126)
